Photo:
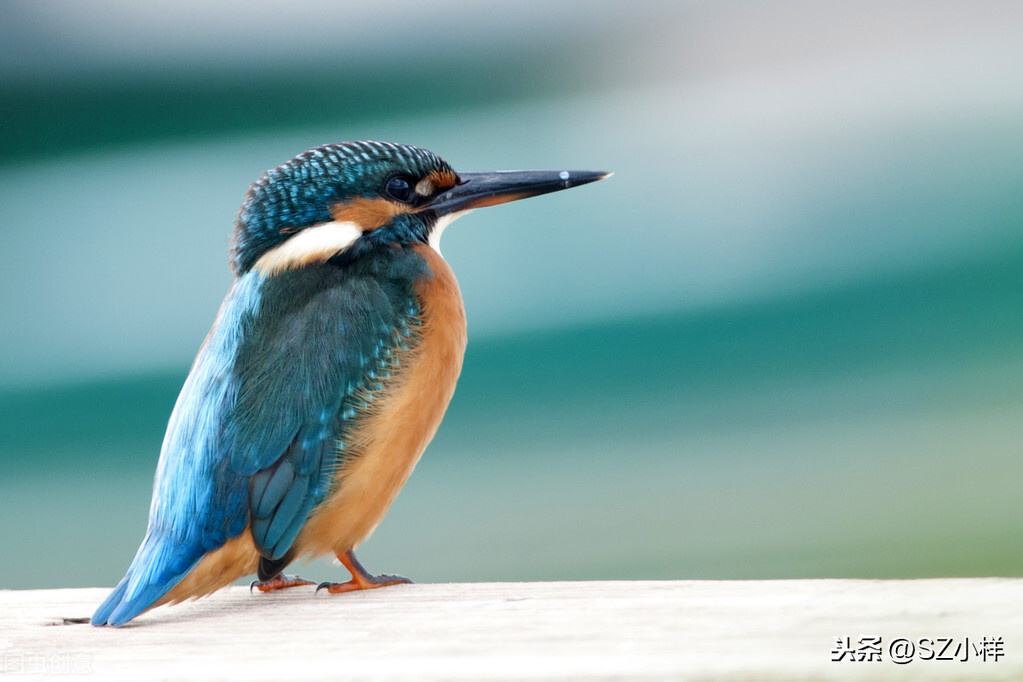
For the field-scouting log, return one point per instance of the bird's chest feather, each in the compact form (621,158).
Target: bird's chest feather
(379,448)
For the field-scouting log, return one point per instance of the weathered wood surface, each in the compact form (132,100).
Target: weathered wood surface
(705,630)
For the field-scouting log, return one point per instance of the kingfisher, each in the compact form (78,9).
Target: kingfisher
(327,372)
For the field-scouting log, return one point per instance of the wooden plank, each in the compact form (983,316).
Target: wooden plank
(719,630)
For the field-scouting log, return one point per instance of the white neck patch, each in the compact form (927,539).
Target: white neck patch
(314,244)
(441,225)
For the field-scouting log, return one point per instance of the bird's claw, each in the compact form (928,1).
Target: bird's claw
(364,583)
(279,582)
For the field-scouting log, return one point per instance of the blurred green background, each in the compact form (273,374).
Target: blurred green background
(784,340)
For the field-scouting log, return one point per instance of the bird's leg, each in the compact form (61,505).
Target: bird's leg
(361,578)
(279,582)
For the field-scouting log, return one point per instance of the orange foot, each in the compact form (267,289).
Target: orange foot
(279,582)
(361,578)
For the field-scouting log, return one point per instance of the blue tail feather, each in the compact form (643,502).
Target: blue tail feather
(159,565)
(113,600)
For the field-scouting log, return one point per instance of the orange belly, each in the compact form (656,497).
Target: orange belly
(401,423)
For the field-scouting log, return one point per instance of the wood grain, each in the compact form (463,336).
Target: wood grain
(707,630)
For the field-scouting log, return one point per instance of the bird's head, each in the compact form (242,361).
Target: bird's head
(357,196)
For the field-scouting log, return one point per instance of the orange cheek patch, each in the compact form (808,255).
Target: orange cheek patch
(368,214)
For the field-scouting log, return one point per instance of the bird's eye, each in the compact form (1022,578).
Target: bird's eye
(400,189)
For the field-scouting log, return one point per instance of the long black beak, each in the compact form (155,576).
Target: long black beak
(490,188)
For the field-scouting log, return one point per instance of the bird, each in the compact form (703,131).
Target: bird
(326,373)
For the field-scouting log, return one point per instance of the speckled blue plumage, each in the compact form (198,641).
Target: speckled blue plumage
(309,366)
(299,193)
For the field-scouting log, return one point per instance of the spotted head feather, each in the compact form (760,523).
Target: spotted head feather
(306,190)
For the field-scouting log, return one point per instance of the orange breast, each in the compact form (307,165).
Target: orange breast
(401,424)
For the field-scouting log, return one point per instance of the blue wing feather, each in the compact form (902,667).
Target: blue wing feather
(254,437)
(198,503)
